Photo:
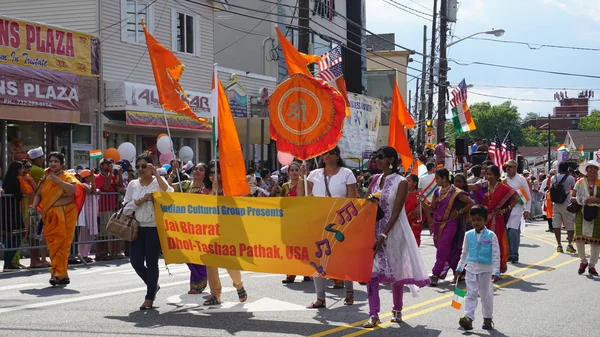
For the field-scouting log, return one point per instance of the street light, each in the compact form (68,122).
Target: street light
(549,148)
(495,32)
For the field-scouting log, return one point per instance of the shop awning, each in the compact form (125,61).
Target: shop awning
(31,114)
(157,120)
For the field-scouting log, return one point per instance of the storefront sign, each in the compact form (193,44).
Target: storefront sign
(238,98)
(38,88)
(360,129)
(35,45)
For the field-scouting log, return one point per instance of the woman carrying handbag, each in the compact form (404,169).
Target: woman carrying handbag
(146,247)
(587,219)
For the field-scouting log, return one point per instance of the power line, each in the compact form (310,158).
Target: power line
(418,4)
(124,20)
(522,68)
(395,4)
(521,99)
(525,87)
(536,46)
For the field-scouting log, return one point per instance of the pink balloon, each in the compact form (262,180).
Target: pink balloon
(166,158)
(284,158)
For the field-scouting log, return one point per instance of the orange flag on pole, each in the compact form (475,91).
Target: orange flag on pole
(167,72)
(397,135)
(231,158)
(405,118)
(296,62)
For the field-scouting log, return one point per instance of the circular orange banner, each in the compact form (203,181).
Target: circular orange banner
(307,116)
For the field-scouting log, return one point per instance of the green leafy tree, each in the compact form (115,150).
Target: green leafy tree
(535,137)
(591,122)
(530,116)
(490,119)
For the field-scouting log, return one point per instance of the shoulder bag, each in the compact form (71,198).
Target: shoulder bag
(123,226)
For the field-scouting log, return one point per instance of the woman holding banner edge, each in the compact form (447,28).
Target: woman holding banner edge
(332,180)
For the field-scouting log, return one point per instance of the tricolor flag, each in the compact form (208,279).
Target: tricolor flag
(419,169)
(461,115)
(459,298)
(523,195)
(562,148)
(429,189)
(95,154)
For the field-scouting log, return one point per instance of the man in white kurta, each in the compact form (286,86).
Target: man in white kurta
(519,212)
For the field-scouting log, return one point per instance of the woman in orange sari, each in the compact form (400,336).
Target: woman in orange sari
(499,199)
(61,197)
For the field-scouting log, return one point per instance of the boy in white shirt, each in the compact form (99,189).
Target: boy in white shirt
(481,254)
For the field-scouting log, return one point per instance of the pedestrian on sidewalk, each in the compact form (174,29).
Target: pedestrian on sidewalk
(481,255)
(146,248)
(87,223)
(547,206)
(587,220)
(560,215)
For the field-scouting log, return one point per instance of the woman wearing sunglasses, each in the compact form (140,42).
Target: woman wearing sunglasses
(146,247)
(332,180)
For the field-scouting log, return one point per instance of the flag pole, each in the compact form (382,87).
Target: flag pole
(215,126)
(171,145)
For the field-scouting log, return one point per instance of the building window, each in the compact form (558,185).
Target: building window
(133,12)
(186,33)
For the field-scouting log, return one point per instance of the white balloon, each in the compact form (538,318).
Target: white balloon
(186,154)
(127,151)
(164,144)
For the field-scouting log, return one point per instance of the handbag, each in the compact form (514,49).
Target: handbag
(590,212)
(123,226)
(574,207)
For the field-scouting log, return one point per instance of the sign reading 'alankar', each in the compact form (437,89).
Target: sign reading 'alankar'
(35,45)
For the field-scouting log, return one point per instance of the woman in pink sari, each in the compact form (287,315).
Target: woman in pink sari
(499,199)
(448,204)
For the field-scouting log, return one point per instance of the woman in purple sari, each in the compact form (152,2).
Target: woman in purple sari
(448,204)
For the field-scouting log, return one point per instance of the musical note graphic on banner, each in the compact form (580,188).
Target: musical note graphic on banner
(338,235)
(319,269)
(349,210)
(325,243)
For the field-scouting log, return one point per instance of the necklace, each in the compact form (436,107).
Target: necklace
(445,190)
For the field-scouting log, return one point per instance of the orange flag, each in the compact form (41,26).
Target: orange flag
(397,136)
(415,168)
(231,159)
(340,84)
(296,62)
(405,118)
(167,72)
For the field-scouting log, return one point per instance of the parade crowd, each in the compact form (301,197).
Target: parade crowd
(475,217)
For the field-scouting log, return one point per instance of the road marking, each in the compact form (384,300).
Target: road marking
(447,304)
(194,305)
(439,298)
(18,286)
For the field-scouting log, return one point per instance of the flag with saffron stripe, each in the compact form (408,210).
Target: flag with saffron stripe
(523,195)
(95,154)
(461,115)
(459,298)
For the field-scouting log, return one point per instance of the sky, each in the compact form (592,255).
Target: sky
(574,23)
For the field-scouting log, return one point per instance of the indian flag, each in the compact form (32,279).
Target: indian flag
(461,118)
(523,196)
(419,169)
(429,189)
(459,298)
(95,154)
(562,148)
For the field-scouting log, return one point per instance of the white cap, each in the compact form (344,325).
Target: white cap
(526,172)
(188,166)
(35,153)
(284,169)
(161,171)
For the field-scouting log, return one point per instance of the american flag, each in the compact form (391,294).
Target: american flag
(507,149)
(330,65)
(495,151)
(459,94)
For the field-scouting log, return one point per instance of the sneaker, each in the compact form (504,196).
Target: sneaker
(466,323)
(559,249)
(592,271)
(549,230)
(582,267)
(488,324)
(434,281)
(571,249)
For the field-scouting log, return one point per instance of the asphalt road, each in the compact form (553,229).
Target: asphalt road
(540,296)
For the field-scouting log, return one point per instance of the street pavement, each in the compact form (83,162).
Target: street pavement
(540,296)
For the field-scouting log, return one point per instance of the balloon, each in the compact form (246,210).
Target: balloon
(127,151)
(284,158)
(161,135)
(166,158)
(112,153)
(164,144)
(186,154)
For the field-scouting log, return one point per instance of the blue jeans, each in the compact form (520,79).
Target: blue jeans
(146,248)
(514,240)
(10,241)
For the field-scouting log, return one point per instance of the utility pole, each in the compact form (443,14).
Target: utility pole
(432,62)
(442,88)
(549,148)
(421,128)
(303,22)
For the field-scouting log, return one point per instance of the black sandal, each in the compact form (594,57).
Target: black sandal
(288,279)
(213,300)
(243,296)
(318,304)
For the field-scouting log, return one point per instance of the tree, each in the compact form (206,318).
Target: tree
(490,119)
(535,137)
(530,116)
(591,122)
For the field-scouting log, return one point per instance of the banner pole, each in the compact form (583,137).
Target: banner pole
(171,146)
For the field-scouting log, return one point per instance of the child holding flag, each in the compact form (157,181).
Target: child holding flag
(481,252)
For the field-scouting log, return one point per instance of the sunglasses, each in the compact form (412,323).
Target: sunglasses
(137,167)
(27,167)
(380,156)
(331,152)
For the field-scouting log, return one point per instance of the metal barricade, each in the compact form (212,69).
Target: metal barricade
(22,231)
